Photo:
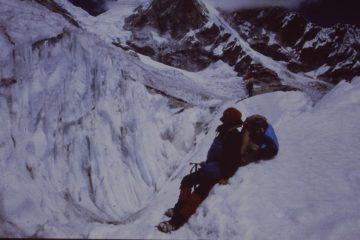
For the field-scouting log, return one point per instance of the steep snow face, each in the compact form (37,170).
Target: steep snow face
(82,139)
(309,191)
(19,31)
(108,25)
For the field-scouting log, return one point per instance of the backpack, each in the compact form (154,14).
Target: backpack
(256,125)
(262,134)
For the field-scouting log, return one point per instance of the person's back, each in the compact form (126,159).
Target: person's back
(232,153)
(249,82)
(224,154)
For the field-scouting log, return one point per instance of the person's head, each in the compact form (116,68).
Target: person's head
(231,117)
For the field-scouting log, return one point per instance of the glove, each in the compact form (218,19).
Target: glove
(253,147)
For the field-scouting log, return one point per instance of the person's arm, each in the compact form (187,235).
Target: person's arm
(267,150)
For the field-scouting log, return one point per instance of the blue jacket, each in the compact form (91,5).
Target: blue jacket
(224,155)
(269,144)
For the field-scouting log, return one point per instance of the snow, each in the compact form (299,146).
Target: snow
(309,191)
(322,69)
(321,39)
(218,51)
(272,39)
(108,25)
(356,65)
(88,151)
(217,82)
(37,28)
(158,38)
(288,19)
(73,100)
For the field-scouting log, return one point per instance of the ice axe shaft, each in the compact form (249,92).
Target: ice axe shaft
(195,167)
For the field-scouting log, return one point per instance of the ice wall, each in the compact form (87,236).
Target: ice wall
(81,139)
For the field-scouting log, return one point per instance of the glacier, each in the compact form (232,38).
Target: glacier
(94,143)
(75,113)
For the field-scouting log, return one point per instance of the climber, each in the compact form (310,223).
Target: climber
(223,159)
(229,150)
(249,84)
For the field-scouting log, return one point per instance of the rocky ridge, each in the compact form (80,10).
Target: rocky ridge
(332,54)
(185,34)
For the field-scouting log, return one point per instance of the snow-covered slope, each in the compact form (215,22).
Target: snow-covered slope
(309,191)
(94,143)
(109,25)
(82,138)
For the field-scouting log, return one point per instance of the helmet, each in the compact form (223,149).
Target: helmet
(231,116)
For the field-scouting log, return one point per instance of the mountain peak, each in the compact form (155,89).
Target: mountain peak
(175,16)
(184,34)
(288,36)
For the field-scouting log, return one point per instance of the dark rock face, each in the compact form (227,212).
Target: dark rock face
(93,7)
(168,15)
(181,33)
(288,26)
(7,82)
(289,37)
(162,32)
(263,75)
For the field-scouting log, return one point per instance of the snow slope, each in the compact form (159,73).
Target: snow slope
(88,150)
(309,191)
(82,138)
(109,25)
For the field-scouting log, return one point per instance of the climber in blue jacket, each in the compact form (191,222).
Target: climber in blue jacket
(222,161)
(229,150)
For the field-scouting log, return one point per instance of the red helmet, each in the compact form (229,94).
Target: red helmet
(231,116)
